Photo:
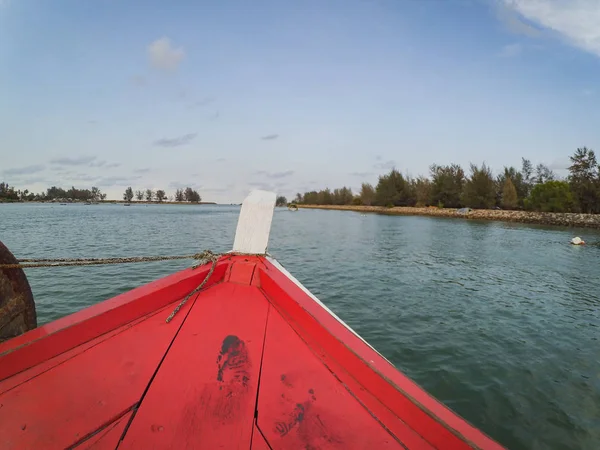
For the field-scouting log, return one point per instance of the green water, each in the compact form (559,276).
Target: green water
(498,321)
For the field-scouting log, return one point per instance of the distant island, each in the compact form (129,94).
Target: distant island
(10,194)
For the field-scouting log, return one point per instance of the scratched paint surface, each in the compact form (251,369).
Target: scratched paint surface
(204,394)
(302,405)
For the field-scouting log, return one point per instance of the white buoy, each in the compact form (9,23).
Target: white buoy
(577,241)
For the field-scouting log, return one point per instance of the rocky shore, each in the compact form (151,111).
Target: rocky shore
(554,219)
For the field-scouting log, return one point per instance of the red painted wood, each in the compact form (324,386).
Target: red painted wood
(301,405)
(204,394)
(177,285)
(74,399)
(107,438)
(53,339)
(398,393)
(241,272)
(406,435)
(34,371)
(69,379)
(318,339)
(258,441)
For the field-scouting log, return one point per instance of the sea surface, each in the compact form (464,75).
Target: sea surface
(499,321)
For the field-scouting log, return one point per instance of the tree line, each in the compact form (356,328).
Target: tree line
(530,188)
(11,194)
(181,195)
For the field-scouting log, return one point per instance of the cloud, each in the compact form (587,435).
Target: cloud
(576,20)
(138,80)
(214,116)
(116,181)
(77,161)
(587,92)
(361,174)
(35,180)
(218,190)
(220,159)
(143,170)
(270,137)
(24,170)
(560,164)
(203,102)
(514,23)
(163,56)
(511,50)
(386,165)
(182,185)
(268,186)
(83,177)
(275,175)
(176,142)
(105,164)
(183,94)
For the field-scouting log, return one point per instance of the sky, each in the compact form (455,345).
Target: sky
(289,96)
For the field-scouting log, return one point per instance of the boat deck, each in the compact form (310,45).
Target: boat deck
(251,362)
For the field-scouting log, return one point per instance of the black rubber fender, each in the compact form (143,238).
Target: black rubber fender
(17,307)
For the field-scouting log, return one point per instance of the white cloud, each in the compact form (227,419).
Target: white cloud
(560,164)
(163,56)
(577,21)
(24,170)
(511,50)
(515,23)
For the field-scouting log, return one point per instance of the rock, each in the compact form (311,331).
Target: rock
(555,219)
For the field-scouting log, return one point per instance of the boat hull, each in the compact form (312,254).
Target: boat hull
(251,361)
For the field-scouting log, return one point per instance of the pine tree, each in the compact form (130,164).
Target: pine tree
(509,195)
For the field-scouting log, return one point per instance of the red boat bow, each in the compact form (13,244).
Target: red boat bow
(252,361)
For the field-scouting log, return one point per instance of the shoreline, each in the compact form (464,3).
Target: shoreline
(574,220)
(110,202)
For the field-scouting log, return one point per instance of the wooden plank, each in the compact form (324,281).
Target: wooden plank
(428,417)
(65,404)
(170,282)
(242,271)
(258,441)
(107,438)
(302,405)
(404,434)
(38,345)
(26,375)
(204,395)
(254,223)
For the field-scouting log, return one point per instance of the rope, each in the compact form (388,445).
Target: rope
(209,256)
(203,258)
(67,262)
